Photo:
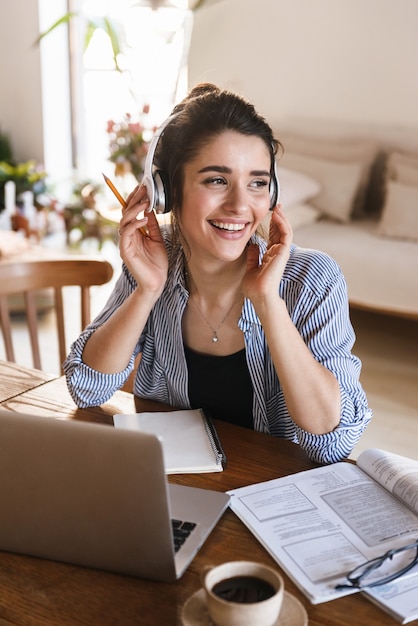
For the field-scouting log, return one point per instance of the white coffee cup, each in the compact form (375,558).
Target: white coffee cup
(243,593)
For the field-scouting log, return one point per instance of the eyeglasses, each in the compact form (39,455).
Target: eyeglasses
(395,563)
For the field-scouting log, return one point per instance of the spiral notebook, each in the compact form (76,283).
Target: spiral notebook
(189,439)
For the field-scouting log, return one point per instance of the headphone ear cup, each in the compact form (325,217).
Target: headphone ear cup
(157,188)
(161,196)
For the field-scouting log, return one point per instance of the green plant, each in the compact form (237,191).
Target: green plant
(5,148)
(111,27)
(27,176)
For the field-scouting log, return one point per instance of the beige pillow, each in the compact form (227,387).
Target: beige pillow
(339,183)
(302,215)
(298,215)
(400,212)
(343,150)
(295,187)
(403,168)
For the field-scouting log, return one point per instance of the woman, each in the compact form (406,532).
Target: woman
(255,332)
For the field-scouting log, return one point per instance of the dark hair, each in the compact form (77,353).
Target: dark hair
(206,112)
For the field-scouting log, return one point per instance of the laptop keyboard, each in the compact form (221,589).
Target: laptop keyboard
(181,531)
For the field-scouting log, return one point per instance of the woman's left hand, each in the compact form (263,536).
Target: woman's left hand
(262,281)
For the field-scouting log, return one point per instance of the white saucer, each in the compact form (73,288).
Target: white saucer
(194,611)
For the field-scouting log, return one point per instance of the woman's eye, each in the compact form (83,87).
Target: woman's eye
(260,183)
(215,180)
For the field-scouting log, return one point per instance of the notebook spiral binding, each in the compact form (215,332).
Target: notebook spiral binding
(214,438)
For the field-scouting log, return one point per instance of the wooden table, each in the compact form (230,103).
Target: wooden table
(39,592)
(15,380)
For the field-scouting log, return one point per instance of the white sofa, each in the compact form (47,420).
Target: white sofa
(354,195)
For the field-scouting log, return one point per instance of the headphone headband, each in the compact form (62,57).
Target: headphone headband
(274,186)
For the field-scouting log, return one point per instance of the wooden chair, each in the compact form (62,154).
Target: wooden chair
(29,276)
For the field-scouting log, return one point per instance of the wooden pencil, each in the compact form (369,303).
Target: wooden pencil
(120,198)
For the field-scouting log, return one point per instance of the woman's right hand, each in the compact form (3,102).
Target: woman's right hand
(144,255)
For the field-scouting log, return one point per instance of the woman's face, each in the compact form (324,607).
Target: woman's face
(225,195)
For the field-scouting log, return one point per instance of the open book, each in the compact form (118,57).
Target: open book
(321,523)
(189,439)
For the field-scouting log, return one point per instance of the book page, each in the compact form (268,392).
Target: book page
(321,523)
(398,474)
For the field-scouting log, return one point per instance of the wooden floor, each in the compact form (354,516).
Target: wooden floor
(388,348)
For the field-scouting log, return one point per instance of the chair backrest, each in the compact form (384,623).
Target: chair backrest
(29,276)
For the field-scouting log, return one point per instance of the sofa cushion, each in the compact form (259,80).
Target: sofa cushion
(339,182)
(295,187)
(403,168)
(400,212)
(343,149)
(299,215)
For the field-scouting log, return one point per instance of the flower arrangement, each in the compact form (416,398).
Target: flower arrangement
(128,143)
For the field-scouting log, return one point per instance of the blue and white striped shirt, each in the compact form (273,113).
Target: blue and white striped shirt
(315,293)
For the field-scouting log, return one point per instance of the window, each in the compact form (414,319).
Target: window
(153,72)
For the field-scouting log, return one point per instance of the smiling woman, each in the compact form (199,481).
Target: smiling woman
(255,332)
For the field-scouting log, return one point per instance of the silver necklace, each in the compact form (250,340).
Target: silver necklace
(215,337)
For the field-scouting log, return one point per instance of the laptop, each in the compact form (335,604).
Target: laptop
(98,497)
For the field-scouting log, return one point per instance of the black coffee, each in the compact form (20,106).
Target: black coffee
(244,589)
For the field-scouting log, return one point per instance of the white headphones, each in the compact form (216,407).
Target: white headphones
(153,181)
(274,187)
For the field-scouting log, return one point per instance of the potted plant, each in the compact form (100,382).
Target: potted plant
(27,176)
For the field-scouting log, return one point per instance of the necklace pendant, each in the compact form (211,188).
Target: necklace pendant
(215,337)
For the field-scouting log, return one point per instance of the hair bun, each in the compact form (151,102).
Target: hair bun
(202,89)
(198,91)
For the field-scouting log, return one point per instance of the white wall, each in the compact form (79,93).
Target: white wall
(349,60)
(20,78)
(346,60)
(28,97)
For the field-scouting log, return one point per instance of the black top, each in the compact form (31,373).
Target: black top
(221,386)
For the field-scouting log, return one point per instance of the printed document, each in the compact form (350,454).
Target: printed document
(322,523)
